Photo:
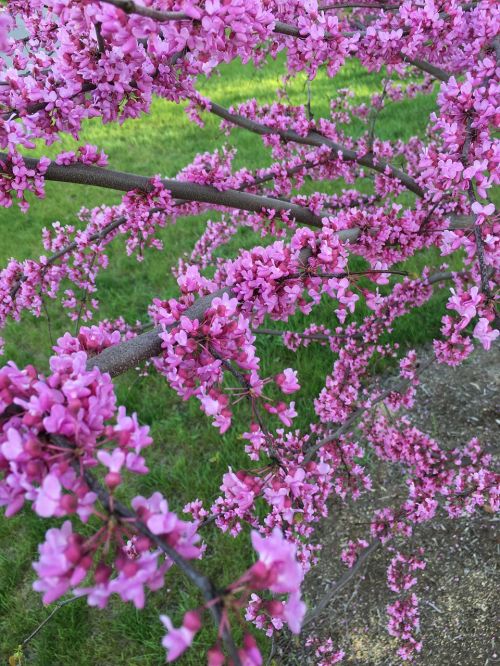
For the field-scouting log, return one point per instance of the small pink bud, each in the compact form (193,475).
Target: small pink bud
(33,447)
(192,621)
(274,608)
(130,568)
(102,573)
(112,479)
(34,468)
(69,503)
(142,544)
(215,657)
(86,562)
(73,553)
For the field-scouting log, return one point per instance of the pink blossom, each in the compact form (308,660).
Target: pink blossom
(56,572)
(277,567)
(294,612)
(49,497)
(287,381)
(482,211)
(250,654)
(485,333)
(177,641)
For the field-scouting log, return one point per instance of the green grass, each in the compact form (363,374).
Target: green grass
(189,457)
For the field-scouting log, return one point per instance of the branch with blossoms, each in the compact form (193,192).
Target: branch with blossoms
(56,456)
(117,359)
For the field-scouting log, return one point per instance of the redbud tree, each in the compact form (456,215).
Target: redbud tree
(68,449)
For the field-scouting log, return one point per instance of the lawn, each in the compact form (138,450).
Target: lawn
(189,456)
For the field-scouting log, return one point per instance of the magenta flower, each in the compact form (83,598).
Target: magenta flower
(12,448)
(485,333)
(177,641)
(250,654)
(114,462)
(482,211)
(49,497)
(287,381)
(61,565)
(277,563)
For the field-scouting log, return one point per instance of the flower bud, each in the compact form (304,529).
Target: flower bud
(192,621)
(69,503)
(112,479)
(102,573)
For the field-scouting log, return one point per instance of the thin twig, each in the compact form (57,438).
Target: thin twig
(49,617)
(101,45)
(340,584)
(205,585)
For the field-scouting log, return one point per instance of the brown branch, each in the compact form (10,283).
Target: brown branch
(304,336)
(129,354)
(340,584)
(307,164)
(68,248)
(483,270)
(40,106)
(84,174)
(205,585)
(100,41)
(116,509)
(344,427)
(433,70)
(355,5)
(478,236)
(120,220)
(280,28)
(315,139)
(339,276)
(60,605)
(130,7)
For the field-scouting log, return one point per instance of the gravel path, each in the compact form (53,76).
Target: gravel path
(460,588)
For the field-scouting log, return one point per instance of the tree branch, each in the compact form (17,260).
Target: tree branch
(60,605)
(304,336)
(119,358)
(344,427)
(340,584)
(206,587)
(68,248)
(433,70)
(84,174)
(356,5)
(130,7)
(315,139)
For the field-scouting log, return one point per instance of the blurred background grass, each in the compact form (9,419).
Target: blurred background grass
(189,456)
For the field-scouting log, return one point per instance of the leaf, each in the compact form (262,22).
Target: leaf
(17,658)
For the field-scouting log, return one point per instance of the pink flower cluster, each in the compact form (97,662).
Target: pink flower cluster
(276,571)
(404,624)
(325,652)
(55,428)
(404,621)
